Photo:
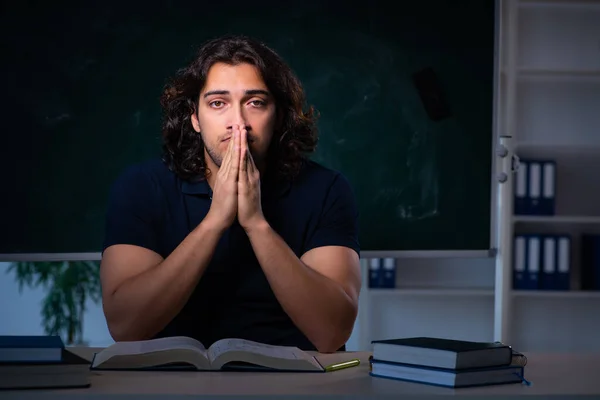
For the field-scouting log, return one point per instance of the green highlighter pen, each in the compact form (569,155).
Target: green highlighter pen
(343,365)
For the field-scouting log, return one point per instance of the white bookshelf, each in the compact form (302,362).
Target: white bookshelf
(549,75)
(559,294)
(436,292)
(557,219)
(554,113)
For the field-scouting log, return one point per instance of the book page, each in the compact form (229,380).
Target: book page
(175,342)
(149,346)
(282,352)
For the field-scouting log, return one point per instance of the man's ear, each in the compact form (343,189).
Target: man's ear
(195,122)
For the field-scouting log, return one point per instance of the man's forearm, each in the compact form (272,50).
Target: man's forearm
(318,306)
(146,303)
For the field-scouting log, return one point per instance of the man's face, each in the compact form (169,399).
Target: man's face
(234,95)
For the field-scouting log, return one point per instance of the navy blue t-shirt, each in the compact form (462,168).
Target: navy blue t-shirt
(149,206)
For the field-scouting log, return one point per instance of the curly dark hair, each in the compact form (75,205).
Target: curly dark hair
(295,136)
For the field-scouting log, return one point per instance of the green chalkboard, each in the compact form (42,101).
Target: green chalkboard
(82,81)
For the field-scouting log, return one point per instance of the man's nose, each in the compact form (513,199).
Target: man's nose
(238,117)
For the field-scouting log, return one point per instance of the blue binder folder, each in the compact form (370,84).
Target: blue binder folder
(590,262)
(534,190)
(547,201)
(520,189)
(375,273)
(556,262)
(548,273)
(535,187)
(519,262)
(527,261)
(563,257)
(388,280)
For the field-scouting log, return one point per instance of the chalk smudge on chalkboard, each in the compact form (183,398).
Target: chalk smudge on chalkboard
(137,117)
(421,162)
(370,93)
(53,120)
(417,198)
(424,207)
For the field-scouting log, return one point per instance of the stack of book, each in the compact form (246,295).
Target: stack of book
(447,362)
(35,362)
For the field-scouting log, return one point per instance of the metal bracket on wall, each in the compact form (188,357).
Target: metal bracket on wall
(502,152)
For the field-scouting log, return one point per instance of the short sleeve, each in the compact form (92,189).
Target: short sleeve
(338,224)
(133,210)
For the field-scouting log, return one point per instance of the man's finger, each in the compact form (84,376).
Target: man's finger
(227,158)
(225,163)
(235,156)
(243,153)
(251,165)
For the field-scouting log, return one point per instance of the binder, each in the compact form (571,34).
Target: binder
(533,260)
(527,262)
(535,188)
(375,273)
(590,262)
(389,273)
(519,262)
(563,269)
(520,189)
(548,275)
(547,202)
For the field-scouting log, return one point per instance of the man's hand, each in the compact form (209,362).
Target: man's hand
(224,204)
(250,212)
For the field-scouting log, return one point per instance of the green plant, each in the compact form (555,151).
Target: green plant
(69,284)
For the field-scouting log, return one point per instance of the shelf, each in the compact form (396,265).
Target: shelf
(558,3)
(558,36)
(555,148)
(558,113)
(430,292)
(575,294)
(558,75)
(558,219)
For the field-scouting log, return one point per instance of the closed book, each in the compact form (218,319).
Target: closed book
(449,377)
(27,349)
(442,353)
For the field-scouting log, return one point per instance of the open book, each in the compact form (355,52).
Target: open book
(188,352)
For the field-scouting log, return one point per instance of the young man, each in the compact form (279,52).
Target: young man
(235,233)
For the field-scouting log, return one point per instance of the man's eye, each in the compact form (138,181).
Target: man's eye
(216,103)
(257,103)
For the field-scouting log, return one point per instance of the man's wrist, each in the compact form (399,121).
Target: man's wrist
(257,227)
(212,225)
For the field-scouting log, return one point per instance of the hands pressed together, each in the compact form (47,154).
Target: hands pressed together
(236,188)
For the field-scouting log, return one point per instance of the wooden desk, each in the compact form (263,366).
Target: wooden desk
(553,374)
